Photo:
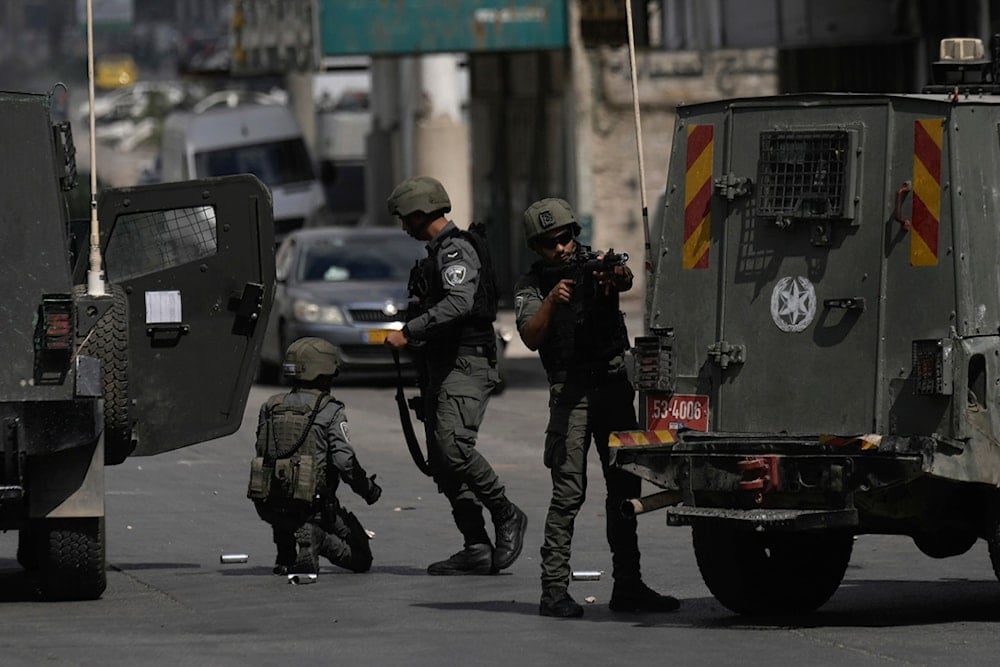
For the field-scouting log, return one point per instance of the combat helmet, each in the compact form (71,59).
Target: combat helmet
(308,358)
(420,193)
(547,214)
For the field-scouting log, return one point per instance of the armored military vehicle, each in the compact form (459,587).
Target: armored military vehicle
(822,356)
(163,359)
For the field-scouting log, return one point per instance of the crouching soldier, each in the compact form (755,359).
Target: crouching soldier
(303,452)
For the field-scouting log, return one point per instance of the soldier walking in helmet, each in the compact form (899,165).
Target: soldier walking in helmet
(581,343)
(450,322)
(303,452)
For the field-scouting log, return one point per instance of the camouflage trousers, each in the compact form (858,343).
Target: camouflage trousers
(456,396)
(582,410)
(345,542)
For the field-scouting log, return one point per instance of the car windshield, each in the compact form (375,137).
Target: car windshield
(275,163)
(359,259)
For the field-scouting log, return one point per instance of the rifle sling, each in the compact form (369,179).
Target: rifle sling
(412,444)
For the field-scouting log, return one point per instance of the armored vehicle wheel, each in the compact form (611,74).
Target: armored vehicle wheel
(945,543)
(109,342)
(72,564)
(780,573)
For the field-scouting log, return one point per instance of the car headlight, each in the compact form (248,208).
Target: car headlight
(306,311)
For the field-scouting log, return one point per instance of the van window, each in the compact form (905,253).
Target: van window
(345,186)
(275,162)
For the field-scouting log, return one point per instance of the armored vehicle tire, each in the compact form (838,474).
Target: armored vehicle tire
(72,563)
(771,573)
(109,342)
(945,544)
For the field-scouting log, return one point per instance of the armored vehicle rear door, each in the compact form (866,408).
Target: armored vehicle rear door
(196,260)
(800,268)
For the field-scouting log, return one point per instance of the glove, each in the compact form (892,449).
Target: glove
(374,491)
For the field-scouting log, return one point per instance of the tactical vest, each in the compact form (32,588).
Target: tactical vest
(288,465)
(427,288)
(587,342)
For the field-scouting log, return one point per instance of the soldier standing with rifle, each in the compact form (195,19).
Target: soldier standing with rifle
(567,308)
(450,323)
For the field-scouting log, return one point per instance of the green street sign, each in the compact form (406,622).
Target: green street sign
(374,27)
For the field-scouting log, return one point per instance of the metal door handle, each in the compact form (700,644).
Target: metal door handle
(897,212)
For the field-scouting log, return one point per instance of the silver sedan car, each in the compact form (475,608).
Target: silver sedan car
(347,285)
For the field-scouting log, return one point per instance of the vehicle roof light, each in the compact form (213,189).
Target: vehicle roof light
(962,48)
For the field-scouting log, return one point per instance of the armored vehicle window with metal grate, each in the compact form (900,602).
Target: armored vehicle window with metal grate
(144,243)
(804,174)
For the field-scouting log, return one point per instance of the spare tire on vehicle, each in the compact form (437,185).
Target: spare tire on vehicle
(109,342)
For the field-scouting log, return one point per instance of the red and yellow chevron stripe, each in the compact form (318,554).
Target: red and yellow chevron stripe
(927,137)
(869,441)
(641,438)
(698,196)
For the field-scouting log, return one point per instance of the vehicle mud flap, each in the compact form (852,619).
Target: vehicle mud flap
(109,342)
(993,534)
(30,545)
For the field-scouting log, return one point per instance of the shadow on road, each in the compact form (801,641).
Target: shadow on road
(858,604)
(128,567)
(16,585)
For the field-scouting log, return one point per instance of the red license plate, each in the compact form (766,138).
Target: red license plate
(677,412)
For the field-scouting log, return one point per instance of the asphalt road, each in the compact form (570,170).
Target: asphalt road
(170,601)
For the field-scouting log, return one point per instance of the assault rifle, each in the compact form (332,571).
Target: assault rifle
(581,268)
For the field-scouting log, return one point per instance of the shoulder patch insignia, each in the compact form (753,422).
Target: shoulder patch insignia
(455,274)
(518,305)
(454,254)
(345,431)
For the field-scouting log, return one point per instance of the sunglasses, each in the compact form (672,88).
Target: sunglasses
(550,242)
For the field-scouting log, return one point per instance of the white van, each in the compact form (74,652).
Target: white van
(341,152)
(260,139)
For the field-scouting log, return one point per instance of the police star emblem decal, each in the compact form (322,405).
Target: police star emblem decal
(455,275)
(793,304)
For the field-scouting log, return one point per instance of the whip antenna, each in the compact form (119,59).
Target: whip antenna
(95,276)
(647,251)
(638,139)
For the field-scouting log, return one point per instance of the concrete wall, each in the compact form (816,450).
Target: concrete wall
(665,80)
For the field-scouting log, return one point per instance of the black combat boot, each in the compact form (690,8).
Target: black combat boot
(308,537)
(473,559)
(637,596)
(287,555)
(510,527)
(559,604)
